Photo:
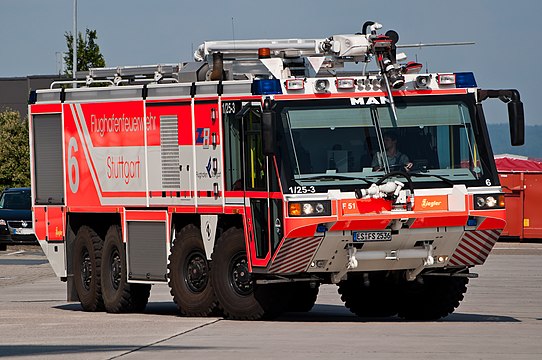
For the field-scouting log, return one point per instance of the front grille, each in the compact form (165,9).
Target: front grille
(17,224)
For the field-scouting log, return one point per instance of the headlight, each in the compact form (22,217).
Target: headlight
(309,208)
(3,222)
(493,201)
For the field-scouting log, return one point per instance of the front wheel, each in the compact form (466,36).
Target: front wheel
(431,297)
(238,296)
(301,297)
(373,296)
(119,296)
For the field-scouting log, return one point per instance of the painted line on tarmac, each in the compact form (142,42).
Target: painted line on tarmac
(166,339)
(16,252)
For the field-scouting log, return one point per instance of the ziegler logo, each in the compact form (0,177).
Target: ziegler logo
(430,204)
(369,101)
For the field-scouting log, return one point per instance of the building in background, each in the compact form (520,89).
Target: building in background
(14,90)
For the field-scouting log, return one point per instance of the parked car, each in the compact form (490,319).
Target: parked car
(16,218)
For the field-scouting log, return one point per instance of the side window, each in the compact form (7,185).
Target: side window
(232,146)
(254,159)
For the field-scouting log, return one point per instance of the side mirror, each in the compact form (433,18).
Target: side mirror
(269,141)
(516,120)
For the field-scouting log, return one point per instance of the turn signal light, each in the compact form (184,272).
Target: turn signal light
(294,209)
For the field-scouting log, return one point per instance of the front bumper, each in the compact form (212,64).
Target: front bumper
(15,236)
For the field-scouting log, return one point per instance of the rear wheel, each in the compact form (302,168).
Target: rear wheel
(119,296)
(87,256)
(238,295)
(189,274)
(374,296)
(431,297)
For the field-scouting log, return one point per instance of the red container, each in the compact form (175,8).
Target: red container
(523,197)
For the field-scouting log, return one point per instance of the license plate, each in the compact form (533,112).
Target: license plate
(363,236)
(21,231)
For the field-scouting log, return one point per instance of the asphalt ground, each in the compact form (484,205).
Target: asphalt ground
(500,318)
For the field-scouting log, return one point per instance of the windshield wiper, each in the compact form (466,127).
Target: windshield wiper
(334,177)
(446,180)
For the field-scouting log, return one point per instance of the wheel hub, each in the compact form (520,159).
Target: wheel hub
(86,270)
(116,269)
(240,277)
(197,272)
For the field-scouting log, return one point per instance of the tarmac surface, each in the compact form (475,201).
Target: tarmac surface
(500,318)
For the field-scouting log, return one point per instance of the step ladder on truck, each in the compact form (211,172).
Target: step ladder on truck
(249,177)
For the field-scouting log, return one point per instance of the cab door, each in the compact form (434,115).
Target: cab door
(263,199)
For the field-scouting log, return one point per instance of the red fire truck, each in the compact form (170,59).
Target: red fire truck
(249,177)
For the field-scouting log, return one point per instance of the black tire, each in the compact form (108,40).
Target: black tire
(377,298)
(301,297)
(3,247)
(189,274)
(87,257)
(431,298)
(119,296)
(238,296)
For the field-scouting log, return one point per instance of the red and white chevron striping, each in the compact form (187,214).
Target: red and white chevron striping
(295,254)
(474,247)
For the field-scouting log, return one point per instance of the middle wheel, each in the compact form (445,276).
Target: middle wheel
(189,274)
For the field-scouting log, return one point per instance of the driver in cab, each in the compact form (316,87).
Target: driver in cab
(396,159)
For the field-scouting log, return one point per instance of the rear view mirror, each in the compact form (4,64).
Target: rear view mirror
(516,118)
(268,133)
(269,140)
(517,123)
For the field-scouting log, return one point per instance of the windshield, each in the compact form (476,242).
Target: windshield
(339,140)
(15,200)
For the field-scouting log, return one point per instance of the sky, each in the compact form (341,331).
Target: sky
(141,32)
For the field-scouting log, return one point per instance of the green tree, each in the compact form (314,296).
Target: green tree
(14,150)
(88,52)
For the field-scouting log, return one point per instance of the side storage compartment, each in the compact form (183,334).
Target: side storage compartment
(147,234)
(48,188)
(47,159)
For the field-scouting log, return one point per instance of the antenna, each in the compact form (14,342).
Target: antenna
(233,32)
(420,45)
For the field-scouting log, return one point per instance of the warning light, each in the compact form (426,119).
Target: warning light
(264,53)
(295,84)
(345,83)
(446,79)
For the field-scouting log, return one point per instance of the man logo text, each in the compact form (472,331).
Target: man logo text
(369,101)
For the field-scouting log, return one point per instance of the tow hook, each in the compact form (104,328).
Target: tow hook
(426,255)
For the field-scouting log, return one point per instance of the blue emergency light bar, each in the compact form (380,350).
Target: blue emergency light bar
(266,87)
(465,80)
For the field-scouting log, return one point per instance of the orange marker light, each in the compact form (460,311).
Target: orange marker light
(294,209)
